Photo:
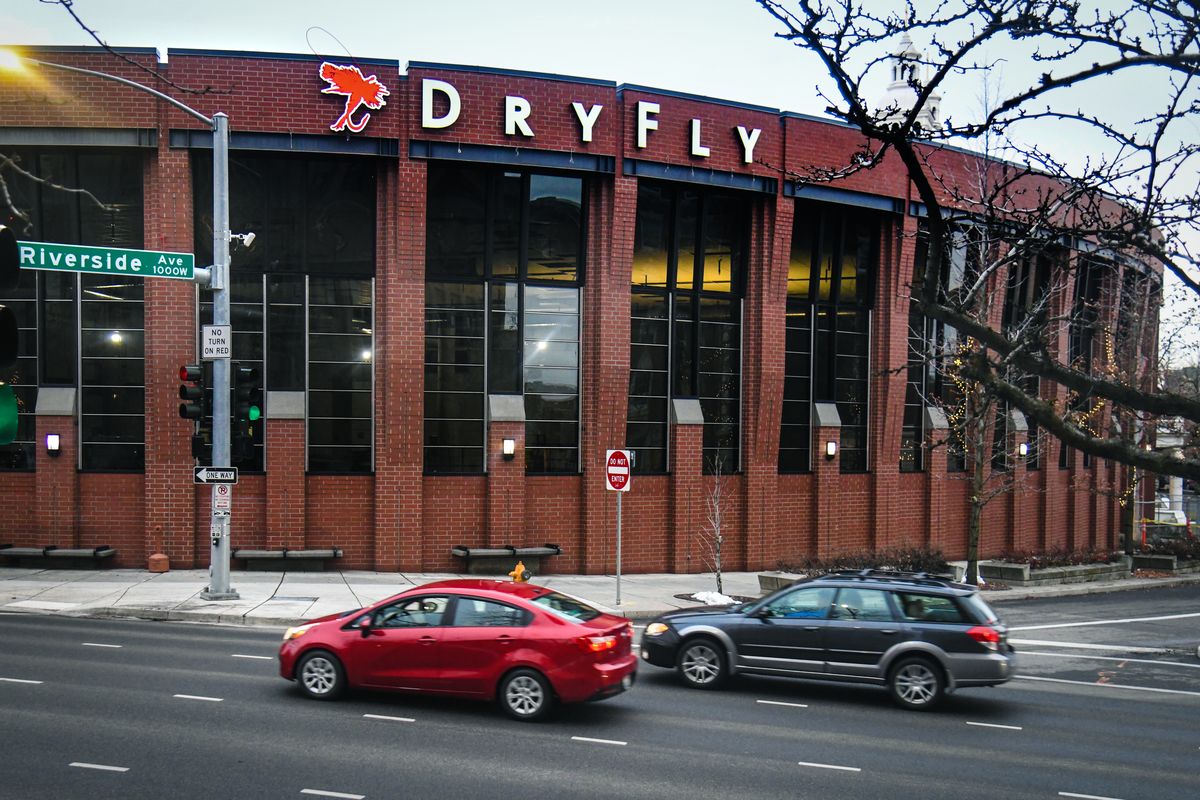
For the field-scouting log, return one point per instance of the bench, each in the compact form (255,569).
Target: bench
(285,559)
(59,557)
(502,560)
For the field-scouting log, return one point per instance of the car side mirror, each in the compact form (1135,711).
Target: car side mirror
(762,612)
(364,625)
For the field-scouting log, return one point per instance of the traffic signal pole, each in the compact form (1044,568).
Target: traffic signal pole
(218,571)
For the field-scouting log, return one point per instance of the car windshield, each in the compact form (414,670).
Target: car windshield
(566,607)
(980,607)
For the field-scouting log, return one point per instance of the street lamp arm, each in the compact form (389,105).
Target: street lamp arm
(125,81)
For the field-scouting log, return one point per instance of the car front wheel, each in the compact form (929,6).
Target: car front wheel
(525,695)
(916,684)
(320,675)
(702,664)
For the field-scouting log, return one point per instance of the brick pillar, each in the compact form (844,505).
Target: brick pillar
(505,477)
(687,484)
(826,427)
(56,503)
(936,429)
(1078,495)
(170,496)
(285,471)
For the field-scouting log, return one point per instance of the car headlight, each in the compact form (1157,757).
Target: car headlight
(657,628)
(296,632)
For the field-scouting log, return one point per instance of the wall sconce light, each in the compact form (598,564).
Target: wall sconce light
(508,449)
(830,449)
(1023,449)
(53,444)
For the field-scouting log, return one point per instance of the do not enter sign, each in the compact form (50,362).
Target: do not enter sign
(616,470)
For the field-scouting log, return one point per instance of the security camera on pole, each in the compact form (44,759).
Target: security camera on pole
(618,478)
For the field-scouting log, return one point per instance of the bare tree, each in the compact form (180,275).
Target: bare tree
(712,533)
(1128,205)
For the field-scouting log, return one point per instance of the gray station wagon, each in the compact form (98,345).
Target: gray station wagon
(920,636)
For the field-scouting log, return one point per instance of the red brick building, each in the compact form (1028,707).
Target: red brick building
(568,263)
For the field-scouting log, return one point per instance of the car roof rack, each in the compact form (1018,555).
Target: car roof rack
(898,576)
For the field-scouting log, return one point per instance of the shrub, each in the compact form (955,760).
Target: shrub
(1061,557)
(1180,548)
(905,559)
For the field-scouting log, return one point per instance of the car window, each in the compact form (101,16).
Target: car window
(808,603)
(412,612)
(920,607)
(567,607)
(862,604)
(473,612)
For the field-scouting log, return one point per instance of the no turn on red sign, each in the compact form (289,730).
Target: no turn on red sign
(616,470)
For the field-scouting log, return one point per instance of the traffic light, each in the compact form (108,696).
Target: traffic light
(247,393)
(192,392)
(9,274)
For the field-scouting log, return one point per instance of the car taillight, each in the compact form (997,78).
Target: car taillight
(988,637)
(596,644)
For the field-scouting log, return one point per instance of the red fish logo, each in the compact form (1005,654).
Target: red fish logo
(359,91)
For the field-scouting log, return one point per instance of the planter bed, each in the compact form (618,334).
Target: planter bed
(1022,575)
(1162,563)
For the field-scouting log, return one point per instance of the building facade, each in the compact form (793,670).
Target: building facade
(448,257)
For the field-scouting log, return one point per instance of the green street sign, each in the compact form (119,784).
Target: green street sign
(105,260)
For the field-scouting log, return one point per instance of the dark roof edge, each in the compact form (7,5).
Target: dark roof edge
(517,73)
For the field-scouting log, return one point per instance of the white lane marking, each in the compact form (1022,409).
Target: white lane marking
(98,644)
(1087,796)
(781,703)
(993,725)
(198,697)
(389,719)
(323,793)
(1107,685)
(105,767)
(597,741)
(1112,648)
(1102,622)
(260,658)
(19,680)
(828,766)
(1111,658)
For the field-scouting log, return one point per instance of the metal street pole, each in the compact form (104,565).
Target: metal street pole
(218,571)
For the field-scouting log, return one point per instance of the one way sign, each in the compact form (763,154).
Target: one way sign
(214,474)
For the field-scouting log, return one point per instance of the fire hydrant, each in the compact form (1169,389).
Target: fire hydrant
(519,575)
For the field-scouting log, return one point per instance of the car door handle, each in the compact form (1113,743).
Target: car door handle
(427,640)
(812,627)
(504,639)
(888,632)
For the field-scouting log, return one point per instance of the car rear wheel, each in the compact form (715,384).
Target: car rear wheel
(525,695)
(320,675)
(916,683)
(702,664)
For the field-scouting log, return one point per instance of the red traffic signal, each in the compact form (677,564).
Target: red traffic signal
(192,392)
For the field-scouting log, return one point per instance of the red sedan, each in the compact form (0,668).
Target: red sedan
(525,646)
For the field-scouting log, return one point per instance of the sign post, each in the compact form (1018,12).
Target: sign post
(617,479)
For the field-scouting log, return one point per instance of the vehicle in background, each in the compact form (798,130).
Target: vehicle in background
(524,646)
(920,636)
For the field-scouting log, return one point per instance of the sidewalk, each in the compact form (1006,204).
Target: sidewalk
(279,599)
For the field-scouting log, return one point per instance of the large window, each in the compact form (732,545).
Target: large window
(302,298)
(686,307)
(503,268)
(1027,301)
(79,330)
(831,276)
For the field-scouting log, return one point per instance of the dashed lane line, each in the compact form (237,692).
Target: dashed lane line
(326,793)
(1107,685)
(781,703)
(994,725)
(199,697)
(1112,648)
(20,680)
(590,740)
(387,718)
(259,658)
(1102,622)
(1087,796)
(828,766)
(103,767)
(99,644)
(1112,658)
